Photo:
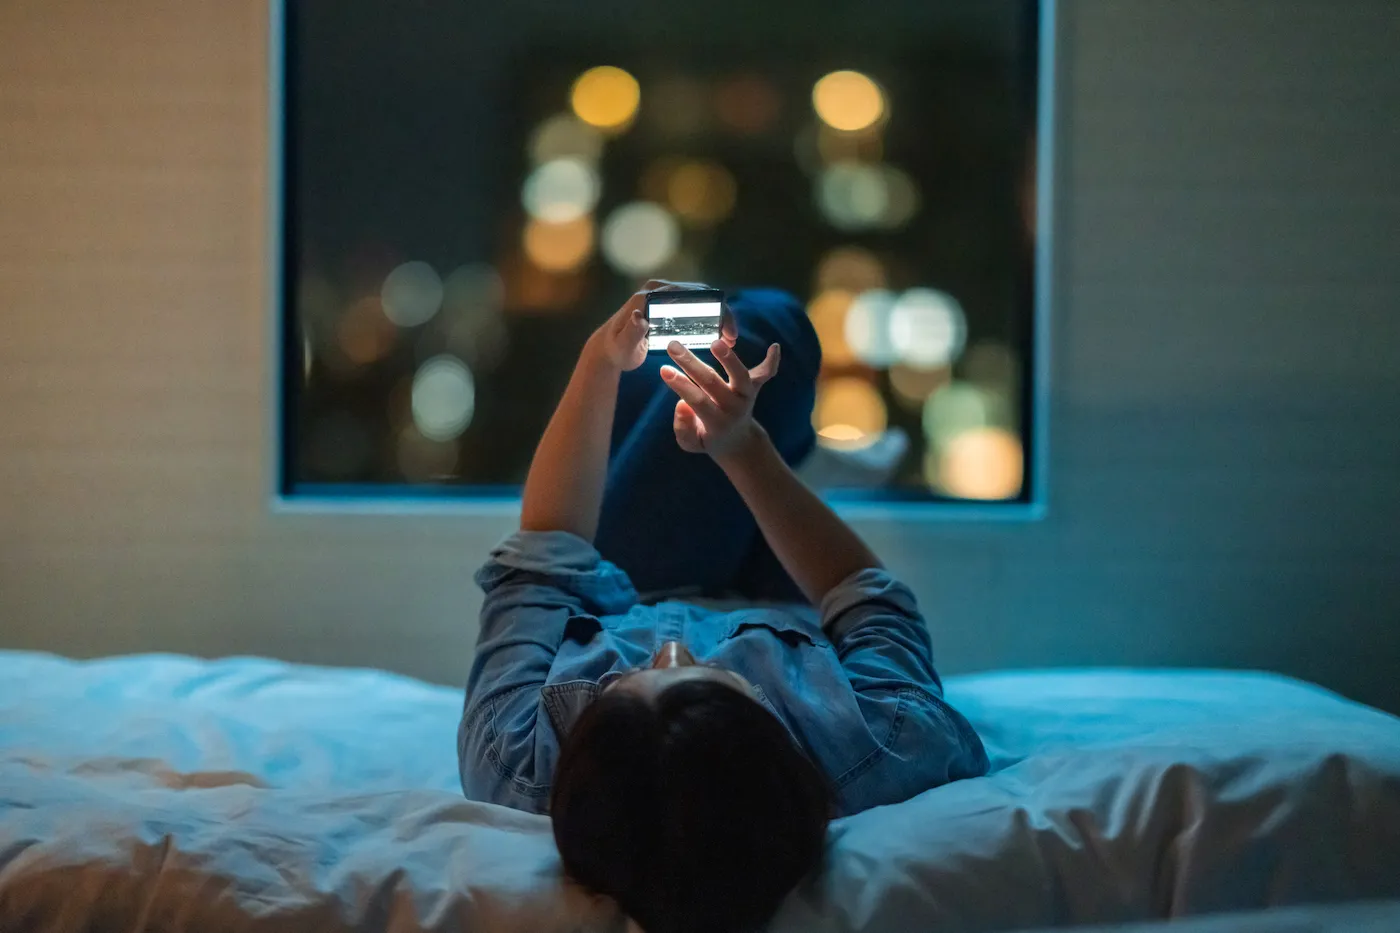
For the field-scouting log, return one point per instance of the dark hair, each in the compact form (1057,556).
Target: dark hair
(694,811)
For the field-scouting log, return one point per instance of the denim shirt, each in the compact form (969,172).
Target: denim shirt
(855,686)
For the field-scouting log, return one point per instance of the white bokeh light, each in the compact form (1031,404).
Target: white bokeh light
(444,398)
(411,294)
(561,190)
(868,327)
(927,327)
(640,237)
(960,407)
(901,197)
(853,195)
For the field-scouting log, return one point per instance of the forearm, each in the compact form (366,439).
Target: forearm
(815,547)
(564,488)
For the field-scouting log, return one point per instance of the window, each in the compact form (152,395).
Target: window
(467,190)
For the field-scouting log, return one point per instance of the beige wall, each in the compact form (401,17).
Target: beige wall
(1226,412)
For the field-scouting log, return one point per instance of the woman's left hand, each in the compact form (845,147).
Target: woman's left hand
(623,337)
(622,340)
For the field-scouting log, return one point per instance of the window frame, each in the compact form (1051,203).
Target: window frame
(288,496)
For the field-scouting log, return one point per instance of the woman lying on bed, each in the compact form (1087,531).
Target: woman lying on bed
(685,657)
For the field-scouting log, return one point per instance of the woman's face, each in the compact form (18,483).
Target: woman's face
(672,664)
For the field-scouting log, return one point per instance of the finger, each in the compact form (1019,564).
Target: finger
(734,368)
(687,427)
(768,368)
(705,377)
(703,405)
(636,304)
(728,327)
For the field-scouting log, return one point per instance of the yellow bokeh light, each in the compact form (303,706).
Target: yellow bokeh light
(849,413)
(852,268)
(848,100)
(701,193)
(559,247)
(606,97)
(827,312)
(984,463)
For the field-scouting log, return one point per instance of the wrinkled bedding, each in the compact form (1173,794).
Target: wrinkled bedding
(170,793)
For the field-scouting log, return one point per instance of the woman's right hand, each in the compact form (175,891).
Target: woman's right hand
(715,416)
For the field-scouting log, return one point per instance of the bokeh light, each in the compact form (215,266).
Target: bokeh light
(901,198)
(702,193)
(444,398)
(565,136)
(960,407)
(561,190)
(928,328)
(605,97)
(852,195)
(848,100)
(860,196)
(912,387)
(422,459)
(868,327)
(559,247)
(364,334)
(411,294)
(747,104)
(983,463)
(640,237)
(827,312)
(849,413)
(853,268)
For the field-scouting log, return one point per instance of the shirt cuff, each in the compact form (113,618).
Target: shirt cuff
(872,588)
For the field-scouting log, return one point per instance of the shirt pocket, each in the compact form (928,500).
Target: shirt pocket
(564,702)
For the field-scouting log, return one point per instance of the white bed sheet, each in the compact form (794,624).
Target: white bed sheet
(247,794)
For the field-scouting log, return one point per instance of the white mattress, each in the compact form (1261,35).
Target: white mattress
(252,795)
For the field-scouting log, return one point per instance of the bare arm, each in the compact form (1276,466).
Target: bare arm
(715,416)
(564,488)
(815,547)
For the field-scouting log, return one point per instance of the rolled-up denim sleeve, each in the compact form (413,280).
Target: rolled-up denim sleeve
(534,583)
(883,644)
(873,621)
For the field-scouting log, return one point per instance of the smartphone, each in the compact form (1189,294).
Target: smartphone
(691,316)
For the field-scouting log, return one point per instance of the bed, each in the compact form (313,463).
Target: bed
(164,792)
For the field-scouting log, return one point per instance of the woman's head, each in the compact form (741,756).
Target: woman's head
(685,800)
